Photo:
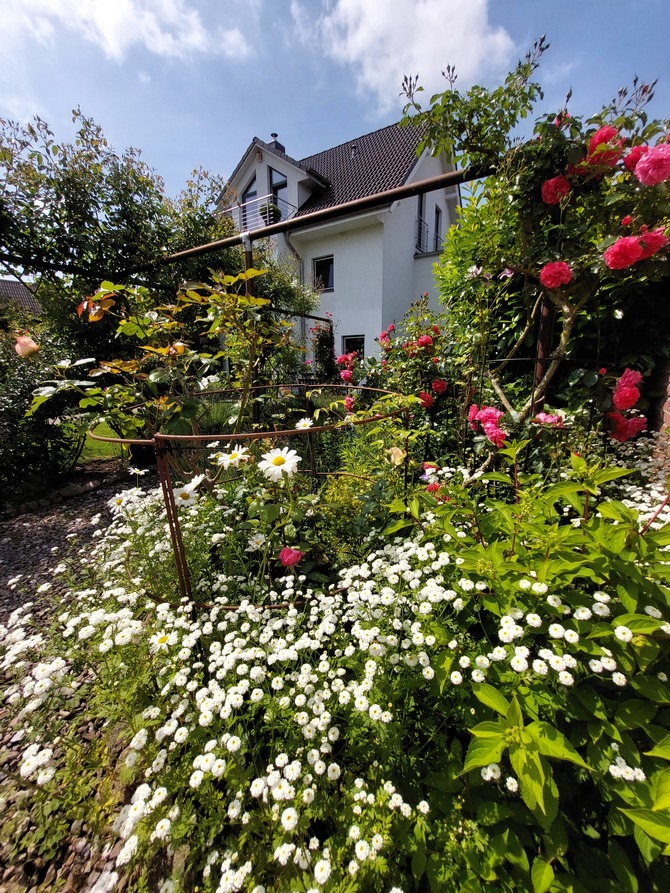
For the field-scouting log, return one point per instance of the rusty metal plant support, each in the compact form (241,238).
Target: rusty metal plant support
(165,444)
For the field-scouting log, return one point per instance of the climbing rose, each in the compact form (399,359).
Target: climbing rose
(346,375)
(289,557)
(627,220)
(555,273)
(495,434)
(426,399)
(25,345)
(349,403)
(605,146)
(425,341)
(489,415)
(553,190)
(623,429)
(546,418)
(654,166)
(623,253)
(634,156)
(439,386)
(626,393)
(433,488)
(651,242)
(472,416)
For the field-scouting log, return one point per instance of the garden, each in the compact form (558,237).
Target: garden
(403,629)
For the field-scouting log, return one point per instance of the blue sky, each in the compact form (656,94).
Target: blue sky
(190,82)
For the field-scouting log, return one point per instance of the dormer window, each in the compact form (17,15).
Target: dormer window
(249,209)
(279,189)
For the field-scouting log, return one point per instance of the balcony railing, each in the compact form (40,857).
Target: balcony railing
(260,212)
(427,239)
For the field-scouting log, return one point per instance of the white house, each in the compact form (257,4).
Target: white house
(368,266)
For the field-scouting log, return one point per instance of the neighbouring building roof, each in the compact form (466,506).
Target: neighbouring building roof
(16,292)
(363,166)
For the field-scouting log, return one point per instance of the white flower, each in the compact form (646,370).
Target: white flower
(533,620)
(539,588)
(160,641)
(161,830)
(362,850)
(185,495)
(511,784)
(304,423)
(623,634)
(234,458)
(322,871)
(278,463)
(456,678)
(618,679)
(256,541)
(289,819)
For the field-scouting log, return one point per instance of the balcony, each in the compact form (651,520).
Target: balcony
(427,240)
(260,212)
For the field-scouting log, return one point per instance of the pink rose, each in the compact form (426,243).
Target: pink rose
(651,242)
(489,415)
(623,253)
(349,403)
(634,156)
(472,416)
(424,341)
(623,429)
(555,189)
(433,488)
(25,345)
(605,146)
(555,273)
(439,386)
(654,166)
(289,557)
(346,375)
(546,418)
(495,434)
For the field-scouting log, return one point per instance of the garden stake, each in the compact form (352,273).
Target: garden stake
(162,462)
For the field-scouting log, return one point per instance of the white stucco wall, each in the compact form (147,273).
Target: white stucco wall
(356,299)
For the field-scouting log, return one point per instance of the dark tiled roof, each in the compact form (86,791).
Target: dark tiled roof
(17,293)
(363,166)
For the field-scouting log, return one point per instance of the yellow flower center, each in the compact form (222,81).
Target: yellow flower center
(162,639)
(184,494)
(279,460)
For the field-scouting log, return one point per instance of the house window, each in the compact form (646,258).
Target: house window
(249,210)
(278,189)
(437,236)
(324,273)
(354,344)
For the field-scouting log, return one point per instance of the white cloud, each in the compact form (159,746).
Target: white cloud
(382,40)
(171,28)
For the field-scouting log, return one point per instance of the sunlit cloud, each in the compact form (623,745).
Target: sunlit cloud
(382,40)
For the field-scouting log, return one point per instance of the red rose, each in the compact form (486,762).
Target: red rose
(289,557)
(651,242)
(623,429)
(605,146)
(349,403)
(553,190)
(346,375)
(426,399)
(425,341)
(627,220)
(654,166)
(439,386)
(555,273)
(472,416)
(436,330)
(623,253)
(634,156)
(433,488)
(626,393)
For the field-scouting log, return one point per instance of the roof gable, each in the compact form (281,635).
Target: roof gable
(272,148)
(16,292)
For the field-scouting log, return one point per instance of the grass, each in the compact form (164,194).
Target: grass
(97,450)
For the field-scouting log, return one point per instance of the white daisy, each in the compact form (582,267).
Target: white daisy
(278,463)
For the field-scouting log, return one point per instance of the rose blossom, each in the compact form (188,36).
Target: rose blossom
(624,428)
(545,418)
(626,393)
(346,375)
(555,273)
(439,386)
(634,156)
(495,434)
(472,416)
(426,399)
(489,415)
(425,341)
(25,345)
(654,166)
(555,189)
(289,557)
(349,403)
(651,242)
(623,253)
(605,146)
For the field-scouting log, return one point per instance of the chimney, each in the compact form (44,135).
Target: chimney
(275,144)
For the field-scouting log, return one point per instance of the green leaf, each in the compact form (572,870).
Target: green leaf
(552,743)
(491,697)
(661,750)
(652,823)
(621,866)
(418,864)
(489,729)
(661,783)
(651,688)
(483,751)
(542,875)
(633,714)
